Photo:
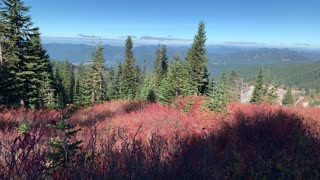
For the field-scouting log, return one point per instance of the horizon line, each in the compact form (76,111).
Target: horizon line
(174,42)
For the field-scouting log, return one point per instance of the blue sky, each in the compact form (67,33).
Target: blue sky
(236,22)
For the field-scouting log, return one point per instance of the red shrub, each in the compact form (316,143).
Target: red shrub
(138,140)
(11,118)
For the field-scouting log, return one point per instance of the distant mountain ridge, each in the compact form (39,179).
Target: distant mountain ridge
(77,53)
(265,56)
(287,66)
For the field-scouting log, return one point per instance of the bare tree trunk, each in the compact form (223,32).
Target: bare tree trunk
(22,102)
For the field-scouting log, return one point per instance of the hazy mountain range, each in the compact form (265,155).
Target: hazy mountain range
(288,66)
(77,53)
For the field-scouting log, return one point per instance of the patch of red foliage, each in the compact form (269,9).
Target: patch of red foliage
(11,118)
(104,111)
(165,120)
(134,140)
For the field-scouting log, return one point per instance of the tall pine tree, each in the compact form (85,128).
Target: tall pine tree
(97,73)
(196,62)
(37,74)
(258,94)
(26,71)
(118,82)
(160,65)
(83,87)
(129,73)
(16,34)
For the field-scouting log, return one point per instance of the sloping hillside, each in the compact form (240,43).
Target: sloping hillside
(300,75)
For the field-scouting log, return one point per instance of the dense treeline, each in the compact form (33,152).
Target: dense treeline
(92,83)
(29,79)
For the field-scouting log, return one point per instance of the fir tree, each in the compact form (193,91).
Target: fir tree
(272,95)
(156,64)
(138,80)
(28,73)
(86,85)
(160,65)
(259,89)
(76,90)
(60,91)
(38,75)
(176,82)
(63,149)
(160,68)
(222,95)
(211,91)
(197,62)
(211,95)
(118,82)
(146,91)
(83,88)
(97,72)
(68,80)
(288,98)
(64,82)
(16,33)
(47,88)
(129,74)
(110,84)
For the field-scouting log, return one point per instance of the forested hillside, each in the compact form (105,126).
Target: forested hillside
(295,75)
